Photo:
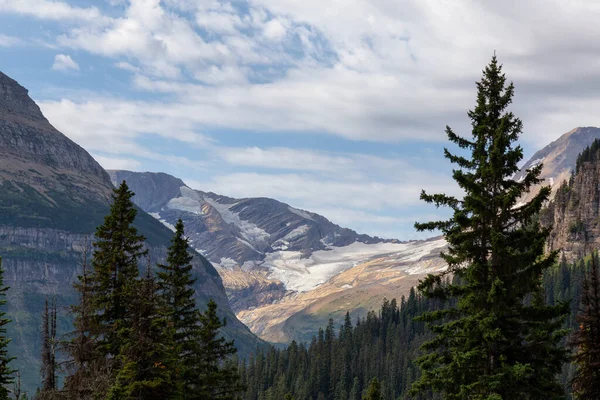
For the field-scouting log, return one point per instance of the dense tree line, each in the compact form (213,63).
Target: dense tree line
(589,154)
(383,345)
(340,363)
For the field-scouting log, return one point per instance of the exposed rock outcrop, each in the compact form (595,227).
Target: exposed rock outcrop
(559,157)
(575,210)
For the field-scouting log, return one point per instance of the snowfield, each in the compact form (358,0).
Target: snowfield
(252,233)
(304,274)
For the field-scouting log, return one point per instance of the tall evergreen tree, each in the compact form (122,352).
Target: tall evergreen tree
(218,374)
(49,366)
(146,345)
(6,373)
(117,251)
(87,371)
(175,282)
(586,339)
(495,339)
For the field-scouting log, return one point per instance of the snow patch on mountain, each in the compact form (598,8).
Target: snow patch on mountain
(251,232)
(189,201)
(300,213)
(165,223)
(303,274)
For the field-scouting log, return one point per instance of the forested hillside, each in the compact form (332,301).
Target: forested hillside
(340,362)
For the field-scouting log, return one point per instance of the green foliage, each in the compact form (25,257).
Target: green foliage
(147,357)
(576,227)
(495,338)
(176,287)
(373,391)
(586,338)
(218,376)
(24,206)
(338,364)
(136,338)
(589,154)
(117,251)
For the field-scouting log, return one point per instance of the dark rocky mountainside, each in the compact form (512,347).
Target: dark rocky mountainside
(52,196)
(574,213)
(235,229)
(559,157)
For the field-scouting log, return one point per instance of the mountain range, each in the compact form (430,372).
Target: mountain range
(52,196)
(287,271)
(281,271)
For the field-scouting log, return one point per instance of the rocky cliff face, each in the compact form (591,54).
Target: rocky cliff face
(574,212)
(559,157)
(52,196)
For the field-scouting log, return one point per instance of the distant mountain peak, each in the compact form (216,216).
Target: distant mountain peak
(15,100)
(559,157)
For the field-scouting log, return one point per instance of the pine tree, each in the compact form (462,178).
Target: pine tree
(146,354)
(373,391)
(495,339)
(218,374)
(87,371)
(6,373)
(176,285)
(118,248)
(49,366)
(586,340)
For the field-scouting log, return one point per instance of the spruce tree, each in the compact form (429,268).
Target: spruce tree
(218,374)
(494,339)
(586,339)
(175,282)
(117,251)
(6,373)
(146,356)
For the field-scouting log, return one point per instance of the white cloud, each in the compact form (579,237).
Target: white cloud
(63,62)
(53,10)
(311,191)
(274,30)
(9,41)
(117,163)
(127,67)
(364,70)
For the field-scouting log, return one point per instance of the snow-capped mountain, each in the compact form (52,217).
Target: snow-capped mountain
(267,251)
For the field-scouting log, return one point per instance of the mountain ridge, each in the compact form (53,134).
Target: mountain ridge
(278,262)
(559,158)
(53,194)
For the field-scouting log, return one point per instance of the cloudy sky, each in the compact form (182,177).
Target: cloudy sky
(335,106)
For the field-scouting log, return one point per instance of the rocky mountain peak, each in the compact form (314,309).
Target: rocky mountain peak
(15,100)
(559,157)
(152,189)
(32,148)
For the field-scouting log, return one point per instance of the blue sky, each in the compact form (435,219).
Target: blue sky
(336,107)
